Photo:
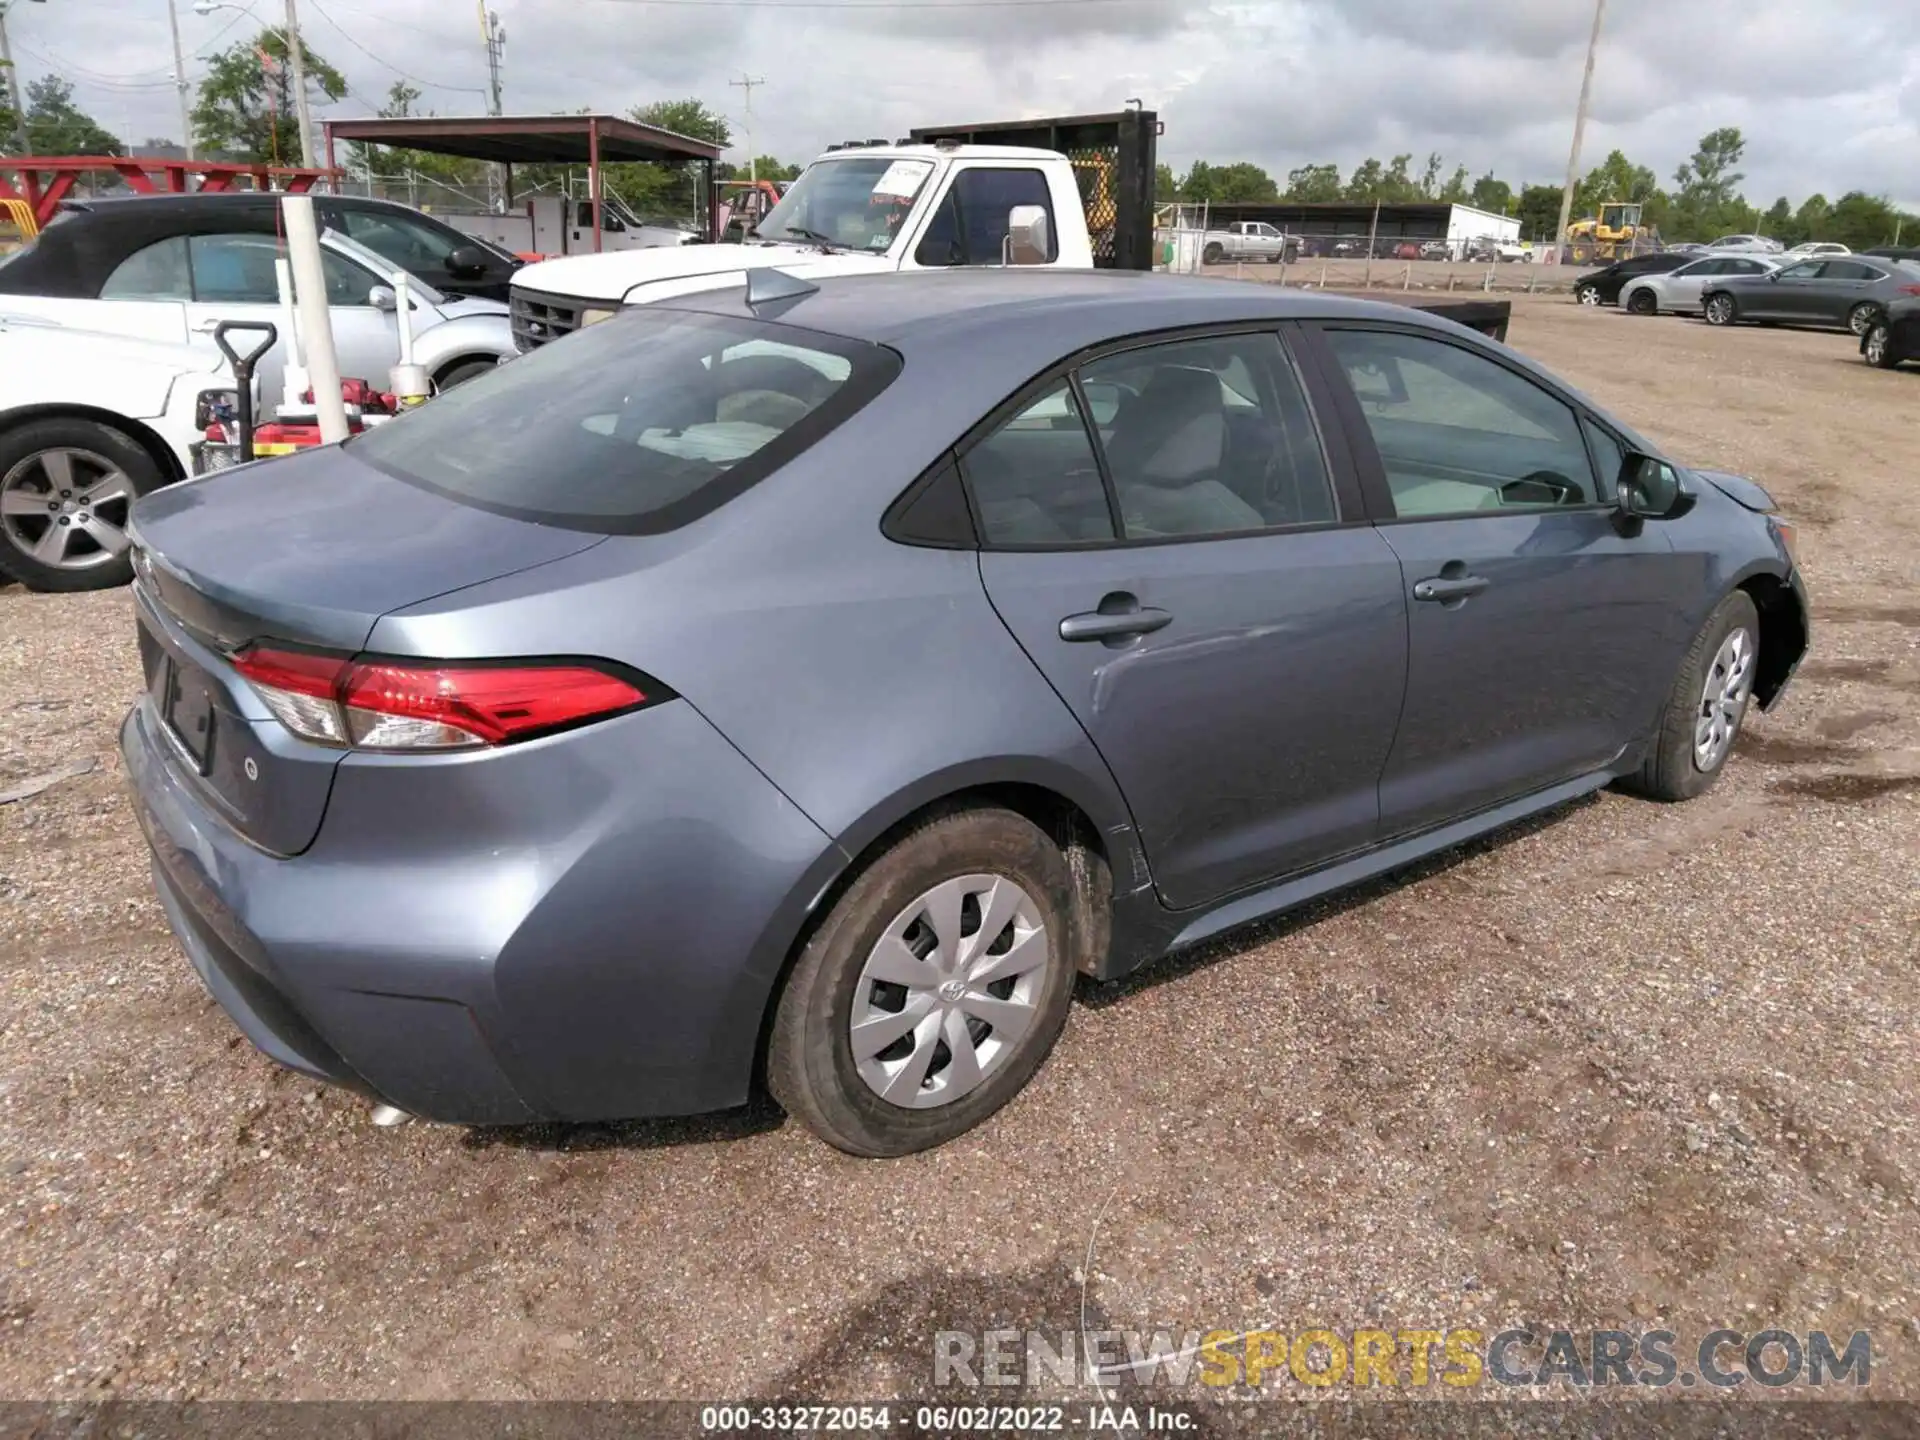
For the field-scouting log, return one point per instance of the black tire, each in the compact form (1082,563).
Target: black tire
(1213,253)
(461,372)
(1642,302)
(1861,317)
(1671,770)
(89,566)
(1720,308)
(1876,346)
(811,1068)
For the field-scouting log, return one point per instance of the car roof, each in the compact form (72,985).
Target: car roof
(126,206)
(909,306)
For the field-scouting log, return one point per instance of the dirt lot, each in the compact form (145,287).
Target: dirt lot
(1636,1063)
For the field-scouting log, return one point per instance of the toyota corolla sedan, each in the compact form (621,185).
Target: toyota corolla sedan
(800,686)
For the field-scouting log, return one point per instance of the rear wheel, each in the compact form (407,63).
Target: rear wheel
(1641,302)
(932,991)
(1720,310)
(66,489)
(1862,316)
(1213,254)
(1706,706)
(1588,294)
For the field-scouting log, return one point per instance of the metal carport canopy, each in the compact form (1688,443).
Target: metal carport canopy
(591,140)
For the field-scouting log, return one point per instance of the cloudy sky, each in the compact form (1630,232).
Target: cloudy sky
(1827,93)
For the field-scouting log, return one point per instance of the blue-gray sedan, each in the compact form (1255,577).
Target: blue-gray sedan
(801,686)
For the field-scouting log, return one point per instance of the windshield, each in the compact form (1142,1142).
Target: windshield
(383,267)
(634,426)
(858,203)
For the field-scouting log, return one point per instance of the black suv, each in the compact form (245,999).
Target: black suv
(450,261)
(1603,287)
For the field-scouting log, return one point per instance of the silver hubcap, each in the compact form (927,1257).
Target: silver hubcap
(1723,700)
(948,991)
(1589,296)
(1719,310)
(1861,318)
(1877,344)
(66,508)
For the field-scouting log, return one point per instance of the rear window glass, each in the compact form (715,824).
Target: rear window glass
(636,425)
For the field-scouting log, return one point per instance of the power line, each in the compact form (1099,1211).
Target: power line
(388,64)
(902,6)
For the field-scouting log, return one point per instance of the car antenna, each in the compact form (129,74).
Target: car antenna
(765,285)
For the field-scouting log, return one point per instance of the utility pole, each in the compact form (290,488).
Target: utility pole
(495,40)
(296,56)
(746,83)
(1579,129)
(180,81)
(21,142)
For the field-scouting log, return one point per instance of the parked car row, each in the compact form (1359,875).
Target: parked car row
(1872,294)
(118,297)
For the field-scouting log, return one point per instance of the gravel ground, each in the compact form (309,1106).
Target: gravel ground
(1632,1064)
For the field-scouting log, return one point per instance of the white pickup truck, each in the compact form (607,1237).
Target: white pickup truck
(1249,240)
(857,209)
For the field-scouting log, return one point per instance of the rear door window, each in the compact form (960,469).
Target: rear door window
(634,426)
(158,272)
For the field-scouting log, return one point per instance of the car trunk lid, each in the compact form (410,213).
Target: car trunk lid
(307,551)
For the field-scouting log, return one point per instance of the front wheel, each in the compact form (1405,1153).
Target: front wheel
(1861,317)
(1641,302)
(1588,294)
(933,990)
(1213,254)
(66,489)
(1878,347)
(1721,310)
(460,373)
(1706,706)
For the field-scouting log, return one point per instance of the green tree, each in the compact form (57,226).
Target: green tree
(1707,200)
(56,126)
(1397,185)
(1239,183)
(246,104)
(1778,223)
(1491,195)
(1812,219)
(1430,177)
(1859,221)
(668,189)
(1166,186)
(1539,211)
(1365,182)
(1457,189)
(1312,184)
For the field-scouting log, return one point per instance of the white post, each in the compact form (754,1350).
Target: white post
(295,371)
(1579,130)
(180,82)
(310,285)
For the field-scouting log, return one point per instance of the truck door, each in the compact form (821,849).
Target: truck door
(968,225)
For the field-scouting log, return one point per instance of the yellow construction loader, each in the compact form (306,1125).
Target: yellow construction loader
(1611,236)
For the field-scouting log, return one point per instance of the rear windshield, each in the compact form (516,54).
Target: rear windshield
(633,426)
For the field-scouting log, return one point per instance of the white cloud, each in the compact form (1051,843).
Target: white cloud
(1828,96)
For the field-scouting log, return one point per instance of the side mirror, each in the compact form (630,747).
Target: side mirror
(381,297)
(1028,237)
(1648,489)
(466,260)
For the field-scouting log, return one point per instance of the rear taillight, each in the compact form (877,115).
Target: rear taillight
(1910,289)
(368,704)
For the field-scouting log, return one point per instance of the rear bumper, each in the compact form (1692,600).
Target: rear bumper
(581,928)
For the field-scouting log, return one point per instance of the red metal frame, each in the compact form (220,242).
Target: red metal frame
(60,172)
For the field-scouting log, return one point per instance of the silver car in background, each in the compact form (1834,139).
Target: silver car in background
(1681,289)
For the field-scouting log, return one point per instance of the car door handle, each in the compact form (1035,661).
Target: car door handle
(1114,624)
(204,327)
(1450,587)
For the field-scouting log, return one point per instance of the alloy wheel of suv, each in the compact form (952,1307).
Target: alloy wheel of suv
(1879,346)
(66,489)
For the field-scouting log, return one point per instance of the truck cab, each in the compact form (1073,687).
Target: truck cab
(859,208)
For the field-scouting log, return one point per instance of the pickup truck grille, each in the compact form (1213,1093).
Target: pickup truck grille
(539,318)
